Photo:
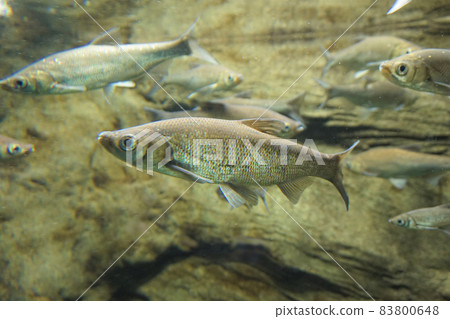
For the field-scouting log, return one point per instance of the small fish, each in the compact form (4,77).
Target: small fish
(201,80)
(233,112)
(288,107)
(432,218)
(244,154)
(397,164)
(398,4)
(10,148)
(425,70)
(369,53)
(372,94)
(95,66)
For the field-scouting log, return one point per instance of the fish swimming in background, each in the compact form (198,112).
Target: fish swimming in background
(95,66)
(369,93)
(397,165)
(369,53)
(398,4)
(237,155)
(201,80)
(289,107)
(232,112)
(432,218)
(425,70)
(10,148)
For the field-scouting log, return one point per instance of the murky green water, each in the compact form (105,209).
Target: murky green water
(70,209)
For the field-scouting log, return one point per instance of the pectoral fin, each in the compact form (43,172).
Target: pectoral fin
(293,190)
(202,91)
(189,174)
(398,182)
(443,84)
(62,88)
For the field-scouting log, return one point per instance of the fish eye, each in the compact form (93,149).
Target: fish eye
(128,143)
(230,78)
(400,222)
(14,149)
(402,69)
(20,83)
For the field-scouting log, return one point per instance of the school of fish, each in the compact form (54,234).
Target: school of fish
(242,144)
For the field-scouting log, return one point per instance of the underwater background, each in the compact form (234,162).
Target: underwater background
(70,209)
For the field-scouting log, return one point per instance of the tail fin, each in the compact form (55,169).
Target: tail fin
(327,88)
(196,51)
(330,62)
(338,178)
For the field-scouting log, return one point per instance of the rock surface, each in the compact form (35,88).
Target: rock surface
(69,210)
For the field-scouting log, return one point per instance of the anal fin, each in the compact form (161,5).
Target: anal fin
(293,190)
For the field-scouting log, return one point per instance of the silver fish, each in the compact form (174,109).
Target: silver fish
(368,93)
(248,156)
(289,107)
(11,148)
(369,53)
(432,218)
(425,70)
(232,112)
(201,80)
(397,164)
(95,66)
(398,4)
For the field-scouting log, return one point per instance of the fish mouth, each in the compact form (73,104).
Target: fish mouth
(239,79)
(300,128)
(384,69)
(104,138)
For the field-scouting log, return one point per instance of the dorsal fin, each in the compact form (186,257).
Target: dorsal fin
(107,37)
(268,126)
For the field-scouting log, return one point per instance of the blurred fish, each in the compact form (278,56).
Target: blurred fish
(95,66)
(369,53)
(234,154)
(288,107)
(398,4)
(398,164)
(233,112)
(425,70)
(5,9)
(10,148)
(201,79)
(432,218)
(372,94)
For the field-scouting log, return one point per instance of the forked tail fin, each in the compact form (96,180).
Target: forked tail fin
(338,178)
(195,49)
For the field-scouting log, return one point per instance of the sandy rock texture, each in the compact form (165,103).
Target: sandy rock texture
(70,210)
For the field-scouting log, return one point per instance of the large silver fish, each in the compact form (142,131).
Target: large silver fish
(397,164)
(95,66)
(369,53)
(372,94)
(237,155)
(425,70)
(201,80)
(232,112)
(432,218)
(11,148)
